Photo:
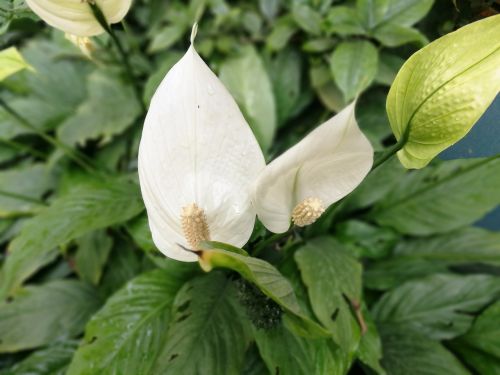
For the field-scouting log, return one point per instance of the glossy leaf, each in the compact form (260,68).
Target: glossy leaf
(40,315)
(447,197)
(92,255)
(333,279)
(354,66)
(208,333)
(85,208)
(438,306)
(246,79)
(126,335)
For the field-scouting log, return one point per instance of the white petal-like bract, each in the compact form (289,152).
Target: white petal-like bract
(198,159)
(318,171)
(76,17)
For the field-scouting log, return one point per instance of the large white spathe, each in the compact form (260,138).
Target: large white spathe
(198,159)
(76,17)
(318,171)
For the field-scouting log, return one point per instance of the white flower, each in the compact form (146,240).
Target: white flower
(318,171)
(198,159)
(76,17)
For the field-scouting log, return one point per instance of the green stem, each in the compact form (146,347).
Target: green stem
(21,197)
(99,16)
(389,152)
(72,154)
(274,238)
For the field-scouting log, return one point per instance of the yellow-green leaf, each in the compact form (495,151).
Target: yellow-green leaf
(443,89)
(11,62)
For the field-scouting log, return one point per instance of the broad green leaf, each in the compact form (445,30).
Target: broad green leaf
(363,240)
(437,200)
(97,117)
(269,281)
(394,35)
(126,335)
(282,31)
(443,89)
(388,68)
(402,12)
(39,315)
(343,20)
(208,334)
(307,18)
(52,360)
(85,208)
(439,306)
(333,279)
(408,352)
(92,254)
(285,71)
(11,62)
(480,346)
(166,37)
(354,66)
(370,347)
(420,257)
(50,98)
(372,118)
(247,80)
(269,8)
(138,228)
(286,353)
(254,365)
(22,188)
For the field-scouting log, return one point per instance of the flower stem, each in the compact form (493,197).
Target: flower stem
(78,158)
(274,238)
(99,16)
(390,152)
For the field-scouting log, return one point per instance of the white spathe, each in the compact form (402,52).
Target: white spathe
(76,17)
(325,166)
(197,149)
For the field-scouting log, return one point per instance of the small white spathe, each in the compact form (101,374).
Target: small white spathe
(321,169)
(76,17)
(198,159)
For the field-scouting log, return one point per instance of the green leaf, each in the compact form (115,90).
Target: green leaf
(97,117)
(394,35)
(480,346)
(436,99)
(354,66)
(437,200)
(343,20)
(11,62)
(138,228)
(307,18)
(401,12)
(247,80)
(52,360)
(285,71)
(281,33)
(39,315)
(92,255)
(438,306)
(408,352)
(209,333)
(254,365)
(388,68)
(287,353)
(49,99)
(29,183)
(370,347)
(166,37)
(85,208)
(126,335)
(333,279)
(269,281)
(421,257)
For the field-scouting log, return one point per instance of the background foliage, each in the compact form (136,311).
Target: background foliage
(394,280)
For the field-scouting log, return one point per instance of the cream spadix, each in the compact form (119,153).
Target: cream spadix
(197,161)
(76,17)
(318,171)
